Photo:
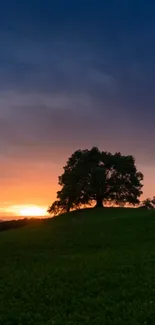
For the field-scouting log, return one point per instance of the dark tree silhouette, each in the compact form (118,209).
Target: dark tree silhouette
(93,175)
(148,203)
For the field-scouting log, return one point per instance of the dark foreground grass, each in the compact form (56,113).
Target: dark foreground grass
(89,267)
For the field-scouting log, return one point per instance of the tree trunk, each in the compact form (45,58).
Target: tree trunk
(68,208)
(99,203)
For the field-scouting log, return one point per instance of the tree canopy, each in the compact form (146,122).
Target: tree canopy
(148,203)
(100,176)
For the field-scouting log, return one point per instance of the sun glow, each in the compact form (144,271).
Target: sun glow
(27,210)
(32,211)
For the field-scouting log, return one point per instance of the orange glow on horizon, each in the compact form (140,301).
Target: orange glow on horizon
(35,185)
(34,211)
(28,210)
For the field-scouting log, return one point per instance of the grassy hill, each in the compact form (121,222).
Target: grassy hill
(88,267)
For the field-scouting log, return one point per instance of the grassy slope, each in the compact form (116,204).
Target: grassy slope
(84,268)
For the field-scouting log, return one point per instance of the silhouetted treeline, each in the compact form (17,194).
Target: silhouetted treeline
(14,224)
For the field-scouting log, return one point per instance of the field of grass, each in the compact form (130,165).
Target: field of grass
(90,267)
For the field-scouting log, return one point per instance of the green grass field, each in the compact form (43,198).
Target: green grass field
(91,267)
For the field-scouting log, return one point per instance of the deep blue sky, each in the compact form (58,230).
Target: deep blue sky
(74,74)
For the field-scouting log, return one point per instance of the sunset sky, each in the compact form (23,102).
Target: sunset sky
(73,74)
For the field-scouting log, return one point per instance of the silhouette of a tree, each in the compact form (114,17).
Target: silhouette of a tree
(148,203)
(93,175)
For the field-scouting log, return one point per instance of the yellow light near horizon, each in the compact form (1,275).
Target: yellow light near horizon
(32,211)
